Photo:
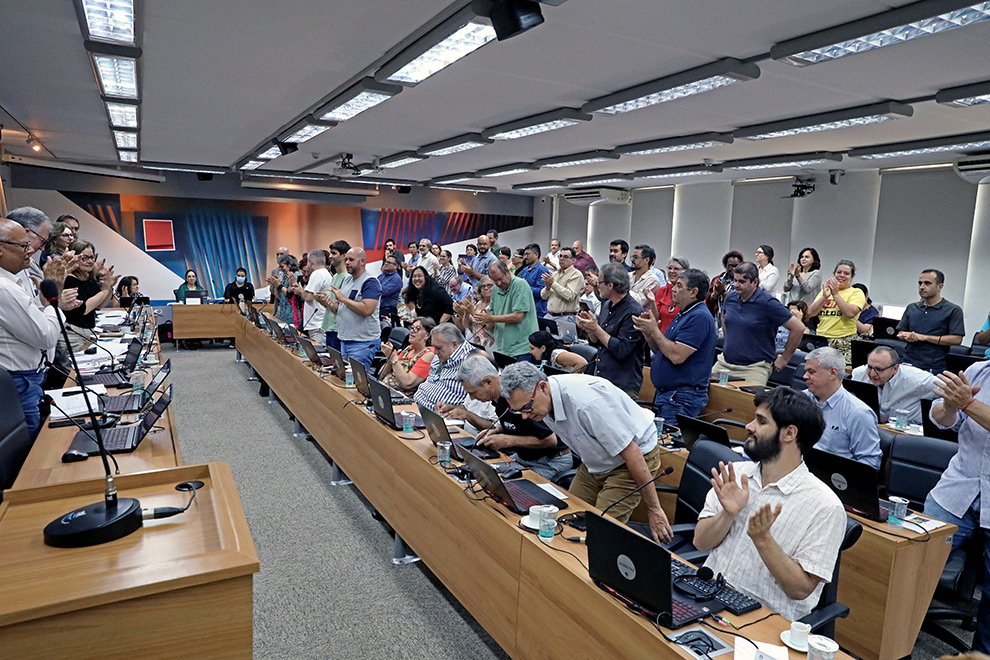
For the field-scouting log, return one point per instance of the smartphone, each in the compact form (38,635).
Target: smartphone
(585,308)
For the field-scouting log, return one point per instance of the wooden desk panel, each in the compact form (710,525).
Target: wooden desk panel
(208,321)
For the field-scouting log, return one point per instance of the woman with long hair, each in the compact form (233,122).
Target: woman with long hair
(447,270)
(545,348)
(94,281)
(404,370)
(191,284)
(427,297)
(804,280)
(768,272)
(288,306)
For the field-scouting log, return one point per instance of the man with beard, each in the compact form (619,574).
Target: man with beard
(773,528)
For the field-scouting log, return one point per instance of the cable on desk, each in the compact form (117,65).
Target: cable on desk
(729,632)
(722,619)
(568,552)
(926,538)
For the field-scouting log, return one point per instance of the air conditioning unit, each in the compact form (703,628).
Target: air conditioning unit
(601,195)
(974,169)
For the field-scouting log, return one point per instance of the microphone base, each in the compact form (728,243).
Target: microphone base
(94,524)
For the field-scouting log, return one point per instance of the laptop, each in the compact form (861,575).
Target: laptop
(381,402)
(254,318)
(547,324)
(361,384)
(292,335)
(338,370)
(116,376)
(518,495)
(566,329)
(503,360)
(312,355)
(275,329)
(693,429)
(884,328)
(123,439)
(129,301)
(436,428)
(199,297)
(132,403)
(811,342)
(554,371)
(868,393)
(625,562)
(860,351)
(856,484)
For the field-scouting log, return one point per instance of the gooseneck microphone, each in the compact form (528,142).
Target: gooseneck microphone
(663,473)
(100,522)
(715,412)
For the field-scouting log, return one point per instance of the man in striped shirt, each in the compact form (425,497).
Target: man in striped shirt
(442,384)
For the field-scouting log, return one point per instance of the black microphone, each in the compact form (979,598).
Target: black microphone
(103,521)
(717,412)
(663,473)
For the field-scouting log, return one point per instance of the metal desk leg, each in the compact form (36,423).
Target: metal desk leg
(402,553)
(338,478)
(300,431)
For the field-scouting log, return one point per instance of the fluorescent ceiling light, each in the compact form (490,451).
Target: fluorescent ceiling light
(454,145)
(762,179)
(270,153)
(547,121)
(183,168)
(385,182)
(582,158)
(464,41)
(475,189)
(787,160)
(290,175)
(125,139)
(400,159)
(252,165)
(455,178)
(826,121)
(122,115)
(598,180)
(951,143)
(110,20)
(919,19)
(117,76)
(356,99)
(506,170)
(289,186)
(306,132)
(669,145)
(687,83)
(908,168)
(673,172)
(540,185)
(965,96)
(115,172)
(127,156)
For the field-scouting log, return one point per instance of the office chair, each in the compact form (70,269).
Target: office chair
(929,428)
(960,350)
(786,375)
(399,337)
(175,292)
(15,441)
(896,344)
(915,466)
(977,348)
(822,618)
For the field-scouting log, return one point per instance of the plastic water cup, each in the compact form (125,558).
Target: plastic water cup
(821,647)
(723,376)
(137,382)
(407,426)
(659,422)
(443,448)
(548,523)
(899,507)
(349,381)
(903,417)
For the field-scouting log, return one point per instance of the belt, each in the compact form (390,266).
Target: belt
(574,313)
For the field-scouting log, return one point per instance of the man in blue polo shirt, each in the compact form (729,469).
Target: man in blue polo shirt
(750,318)
(683,353)
(533,273)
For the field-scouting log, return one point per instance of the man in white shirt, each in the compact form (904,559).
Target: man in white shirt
(563,289)
(644,281)
(426,258)
(27,334)
(320,281)
(773,528)
(552,258)
(902,387)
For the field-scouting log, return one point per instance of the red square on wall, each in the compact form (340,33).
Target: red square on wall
(158,235)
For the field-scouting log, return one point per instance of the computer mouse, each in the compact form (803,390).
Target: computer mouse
(74,456)
(90,351)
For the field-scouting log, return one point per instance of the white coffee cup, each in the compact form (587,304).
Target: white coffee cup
(799,633)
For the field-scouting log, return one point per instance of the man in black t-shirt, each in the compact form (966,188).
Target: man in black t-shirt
(529,442)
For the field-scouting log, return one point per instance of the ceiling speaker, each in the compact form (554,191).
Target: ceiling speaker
(512,17)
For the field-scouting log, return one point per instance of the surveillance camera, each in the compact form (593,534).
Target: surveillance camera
(315,155)
(834,176)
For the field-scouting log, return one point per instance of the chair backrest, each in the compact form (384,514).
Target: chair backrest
(15,441)
(399,337)
(896,344)
(929,427)
(831,590)
(915,465)
(175,292)
(786,375)
(959,349)
(696,480)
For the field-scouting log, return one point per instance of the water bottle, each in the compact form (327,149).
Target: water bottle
(349,377)
(137,382)
(241,304)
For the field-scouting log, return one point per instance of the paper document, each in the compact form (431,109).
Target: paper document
(75,404)
(914,521)
(746,651)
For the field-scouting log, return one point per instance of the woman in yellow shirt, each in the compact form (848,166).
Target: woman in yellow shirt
(837,307)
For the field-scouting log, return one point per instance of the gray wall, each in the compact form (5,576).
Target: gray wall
(653,221)
(761,215)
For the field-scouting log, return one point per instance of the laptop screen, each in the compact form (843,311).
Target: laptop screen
(156,410)
(360,377)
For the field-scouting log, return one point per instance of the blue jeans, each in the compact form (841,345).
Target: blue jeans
(548,467)
(332,341)
(688,402)
(362,351)
(968,525)
(28,384)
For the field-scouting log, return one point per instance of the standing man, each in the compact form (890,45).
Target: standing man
(902,387)
(683,354)
(493,241)
(721,284)
(320,281)
(357,308)
(533,272)
(931,325)
(850,425)
(618,250)
(620,344)
(551,258)
(615,438)
(757,525)
(513,313)
(750,321)
(391,284)
(965,405)
(478,269)
(38,227)
(427,259)
(562,290)
(337,251)
(274,278)
(644,281)
(581,258)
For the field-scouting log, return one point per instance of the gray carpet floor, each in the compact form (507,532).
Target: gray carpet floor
(327,586)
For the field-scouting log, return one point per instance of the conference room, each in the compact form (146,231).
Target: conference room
(207,138)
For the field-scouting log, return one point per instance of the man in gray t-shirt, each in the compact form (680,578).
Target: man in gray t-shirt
(356,305)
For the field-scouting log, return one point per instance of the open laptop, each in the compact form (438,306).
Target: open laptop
(624,561)
(856,484)
(860,351)
(811,342)
(338,370)
(116,376)
(381,402)
(254,318)
(868,393)
(566,329)
(436,428)
(275,329)
(361,384)
(123,439)
(693,429)
(131,403)
(503,360)
(200,297)
(518,494)
(884,328)
(956,363)
(312,355)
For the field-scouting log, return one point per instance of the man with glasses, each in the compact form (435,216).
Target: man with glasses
(441,384)
(902,387)
(644,281)
(562,290)
(38,227)
(615,438)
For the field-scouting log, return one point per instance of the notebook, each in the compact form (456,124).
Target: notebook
(693,429)
(123,439)
(518,495)
(436,428)
(856,484)
(381,402)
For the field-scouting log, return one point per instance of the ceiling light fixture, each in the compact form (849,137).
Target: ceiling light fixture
(454,145)
(540,185)
(117,76)
(541,123)
(786,160)
(964,96)
(474,189)
(919,19)
(125,139)
(910,168)
(598,180)
(110,21)
(357,98)
(951,143)
(305,129)
(400,159)
(705,78)
(506,170)
(669,145)
(289,175)
(583,158)
(168,167)
(384,182)
(675,172)
(251,165)
(122,115)
(455,178)
(826,121)
(127,156)
(34,143)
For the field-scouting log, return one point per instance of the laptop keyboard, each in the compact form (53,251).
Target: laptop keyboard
(114,378)
(522,499)
(685,612)
(116,404)
(116,439)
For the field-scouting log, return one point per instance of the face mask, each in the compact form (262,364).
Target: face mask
(241,279)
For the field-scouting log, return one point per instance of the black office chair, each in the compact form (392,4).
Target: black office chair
(399,337)
(929,428)
(977,348)
(822,618)
(797,382)
(589,353)
(15,441)
(786,375)
(896,344)
(175,292)
(960,350)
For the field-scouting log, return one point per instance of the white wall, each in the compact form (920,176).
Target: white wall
(702,220)
(761,215)
(977,299)
(572,223)
(653,221)
(606,223)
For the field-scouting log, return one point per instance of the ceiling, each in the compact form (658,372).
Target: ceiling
(219,78)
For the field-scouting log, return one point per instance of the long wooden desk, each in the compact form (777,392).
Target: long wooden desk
(536,602)
(207,321)
(177,588)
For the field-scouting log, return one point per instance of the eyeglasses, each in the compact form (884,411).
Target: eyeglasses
(529,406)
(879,370)
(416,328)
(86,257)
(25,246)
(486,286)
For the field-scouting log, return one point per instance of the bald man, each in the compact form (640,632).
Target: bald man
(357,306)
(581,258)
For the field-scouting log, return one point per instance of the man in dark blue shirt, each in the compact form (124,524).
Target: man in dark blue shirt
(684,353)
(391,283)
(930,325)
(750,318)
(533,273)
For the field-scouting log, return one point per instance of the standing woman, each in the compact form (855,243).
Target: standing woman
(470,252)
(95,283)
(804,281)
(447,270)
(427,297)
(837,307)
(191,284)
(666,309)
(768,272)
(288,306)
(473,330)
